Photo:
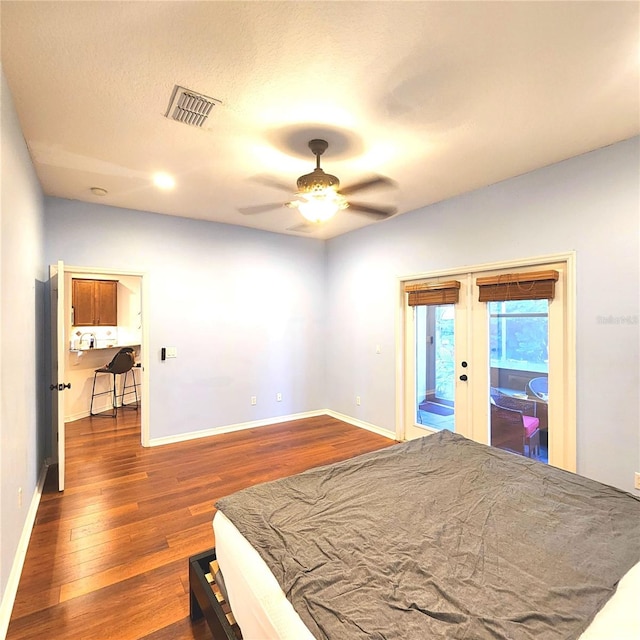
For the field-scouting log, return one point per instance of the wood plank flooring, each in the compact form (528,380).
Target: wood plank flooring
(108,557)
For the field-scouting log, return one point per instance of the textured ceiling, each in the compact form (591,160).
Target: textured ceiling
(442,97)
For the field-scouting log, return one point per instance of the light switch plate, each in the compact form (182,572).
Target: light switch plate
(172,352)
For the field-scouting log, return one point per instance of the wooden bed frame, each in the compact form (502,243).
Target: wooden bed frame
(206,599)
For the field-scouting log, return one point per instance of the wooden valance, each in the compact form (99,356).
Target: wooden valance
(423,293)
(533,285)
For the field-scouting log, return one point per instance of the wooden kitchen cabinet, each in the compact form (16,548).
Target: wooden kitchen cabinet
(95,302)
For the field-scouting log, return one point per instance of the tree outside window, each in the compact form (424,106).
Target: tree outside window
(519,335)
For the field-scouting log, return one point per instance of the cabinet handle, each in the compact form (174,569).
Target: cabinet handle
(464,377)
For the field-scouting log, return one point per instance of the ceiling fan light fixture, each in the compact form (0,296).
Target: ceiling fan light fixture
(320,206)
(317,182)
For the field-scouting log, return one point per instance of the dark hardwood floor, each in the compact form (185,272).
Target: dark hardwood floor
(108,557)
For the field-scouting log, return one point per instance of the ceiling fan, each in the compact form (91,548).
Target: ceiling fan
(318,197)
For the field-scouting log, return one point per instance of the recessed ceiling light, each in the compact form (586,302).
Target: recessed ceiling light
(164,181)
(98,191)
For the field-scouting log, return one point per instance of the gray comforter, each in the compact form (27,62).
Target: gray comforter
(441,538)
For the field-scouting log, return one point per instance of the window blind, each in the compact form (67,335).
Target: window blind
(424,293)
(532,285)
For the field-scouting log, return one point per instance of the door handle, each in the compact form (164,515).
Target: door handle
(59,387)
(464,377)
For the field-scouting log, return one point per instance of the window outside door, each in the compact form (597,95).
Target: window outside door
(499,372)
(433,397)
(435,366)
(518,376)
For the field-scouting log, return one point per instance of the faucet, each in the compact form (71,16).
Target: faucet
(93,341)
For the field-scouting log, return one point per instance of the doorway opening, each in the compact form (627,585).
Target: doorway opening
(93,342)
(82,343)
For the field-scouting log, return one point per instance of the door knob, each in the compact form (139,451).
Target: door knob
(464,377)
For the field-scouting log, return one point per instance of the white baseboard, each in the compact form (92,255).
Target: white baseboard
(85,414)
(77,416)
(9,596)
(205,433)
(362,424)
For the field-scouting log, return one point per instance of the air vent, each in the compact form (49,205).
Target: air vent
(190,107)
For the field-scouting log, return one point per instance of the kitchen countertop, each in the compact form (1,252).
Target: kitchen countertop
(115,346)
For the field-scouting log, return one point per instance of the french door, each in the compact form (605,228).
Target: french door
(437,344)
(489,354)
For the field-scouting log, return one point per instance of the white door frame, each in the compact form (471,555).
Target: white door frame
(144,379)
(566,386)
(57,380)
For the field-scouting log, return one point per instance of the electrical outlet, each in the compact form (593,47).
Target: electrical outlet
(358,400)
(278,397)
(20,497)
(254,400)
(637,480)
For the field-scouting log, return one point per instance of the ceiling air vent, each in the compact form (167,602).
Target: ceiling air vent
(190,107)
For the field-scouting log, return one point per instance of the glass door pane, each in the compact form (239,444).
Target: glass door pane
(435,366)
(519,366)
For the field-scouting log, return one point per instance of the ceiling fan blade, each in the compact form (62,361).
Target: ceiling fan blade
(372,212)
(304,227)
(260,208)
(376,181)
(269,181)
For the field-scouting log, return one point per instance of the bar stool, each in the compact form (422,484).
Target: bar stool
(122,363)
(129,389)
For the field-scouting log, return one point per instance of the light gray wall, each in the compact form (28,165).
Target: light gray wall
(21,333)
(589,204)
(245,309)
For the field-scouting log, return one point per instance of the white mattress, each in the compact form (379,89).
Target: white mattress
(264,613)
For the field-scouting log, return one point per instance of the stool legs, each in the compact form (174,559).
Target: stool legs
(133,386)
(112,392)
(93,394)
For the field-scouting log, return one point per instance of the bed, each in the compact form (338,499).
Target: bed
(439,537)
